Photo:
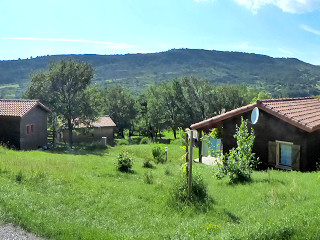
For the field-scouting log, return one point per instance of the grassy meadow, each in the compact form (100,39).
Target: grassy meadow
(82,196)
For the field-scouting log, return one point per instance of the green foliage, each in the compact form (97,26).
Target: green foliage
(275,75)
(145,140)
(85,197)
(148,164)
(199,193)
(124,162)
(158,154)
(216,133)
(148,177)
(19,177)
(122,142)
(261,96)
(119,103)
(65,89)
(239,162)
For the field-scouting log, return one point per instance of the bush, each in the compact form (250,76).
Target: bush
(148,177)
(122,142)
(19,177)
(159,154)
(148,164)
(144,140)
(199,194)
(124,162)
(239,162)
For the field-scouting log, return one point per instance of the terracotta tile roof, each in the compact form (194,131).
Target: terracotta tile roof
(104,121)
(18,108)
(303,113)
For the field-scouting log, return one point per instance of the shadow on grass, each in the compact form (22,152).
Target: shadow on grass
(232,217)
(80,149)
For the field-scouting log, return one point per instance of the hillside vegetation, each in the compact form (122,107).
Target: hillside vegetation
(280,76)
(83,196)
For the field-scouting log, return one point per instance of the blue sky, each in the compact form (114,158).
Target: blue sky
(278,28)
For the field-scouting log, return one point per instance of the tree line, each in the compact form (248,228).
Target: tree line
(67,89)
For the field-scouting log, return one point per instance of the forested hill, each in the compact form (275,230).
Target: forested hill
(281,76)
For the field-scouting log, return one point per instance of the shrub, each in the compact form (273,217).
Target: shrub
(148,177)
(122,142)
(148,164)
(199,194)
(239,162)
(19,177)
(144,140)
(124,162)
(158,154)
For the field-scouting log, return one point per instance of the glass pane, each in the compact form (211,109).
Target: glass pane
(286,154)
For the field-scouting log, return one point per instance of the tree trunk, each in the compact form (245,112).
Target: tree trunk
(175,133)
(70,128)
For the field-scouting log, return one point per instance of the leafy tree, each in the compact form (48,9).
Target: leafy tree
(65,88)
(120,105)
(239,162)
(262,95)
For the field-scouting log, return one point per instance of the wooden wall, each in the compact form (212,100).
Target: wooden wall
(270,128)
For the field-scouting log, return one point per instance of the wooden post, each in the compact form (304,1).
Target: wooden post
(187,155)
(190,166)
(200,146)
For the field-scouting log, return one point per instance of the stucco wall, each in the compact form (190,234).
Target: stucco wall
(38,138)
(94,134)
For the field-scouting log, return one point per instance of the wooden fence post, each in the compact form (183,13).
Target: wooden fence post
(190,166)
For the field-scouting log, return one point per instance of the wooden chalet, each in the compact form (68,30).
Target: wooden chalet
(23,124)
(287,131)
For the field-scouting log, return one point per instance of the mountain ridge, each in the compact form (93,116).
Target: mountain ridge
(281,76)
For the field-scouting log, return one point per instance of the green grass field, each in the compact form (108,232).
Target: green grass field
(83,196)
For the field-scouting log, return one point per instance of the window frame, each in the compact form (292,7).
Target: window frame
(278,160)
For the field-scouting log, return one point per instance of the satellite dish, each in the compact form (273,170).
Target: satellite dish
(255,115)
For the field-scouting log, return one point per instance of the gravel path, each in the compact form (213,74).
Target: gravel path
(10,232)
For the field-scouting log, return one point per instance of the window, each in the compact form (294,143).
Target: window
(30,128)
(284,155)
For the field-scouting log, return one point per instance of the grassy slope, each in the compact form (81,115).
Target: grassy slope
(65,196)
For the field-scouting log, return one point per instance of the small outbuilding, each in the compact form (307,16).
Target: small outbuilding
(23,124)
(103,127)
(287,131)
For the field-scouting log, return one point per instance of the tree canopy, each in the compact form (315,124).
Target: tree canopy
(65,88)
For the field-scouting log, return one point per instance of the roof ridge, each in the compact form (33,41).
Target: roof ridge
(285,99)
(21,100)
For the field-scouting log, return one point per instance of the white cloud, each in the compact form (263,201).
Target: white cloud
(310,29)
(109,44)
(290,6)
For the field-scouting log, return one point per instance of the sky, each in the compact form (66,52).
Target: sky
(277,28)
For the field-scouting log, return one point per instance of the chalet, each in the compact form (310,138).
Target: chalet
(23,124)
(287,131)
(104,127)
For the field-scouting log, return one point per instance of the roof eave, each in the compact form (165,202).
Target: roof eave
(219,118)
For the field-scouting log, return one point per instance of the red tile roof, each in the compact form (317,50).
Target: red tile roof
(303,113)
(18,108)
(104,121)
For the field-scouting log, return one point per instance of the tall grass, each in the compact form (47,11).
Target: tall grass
(69,196)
